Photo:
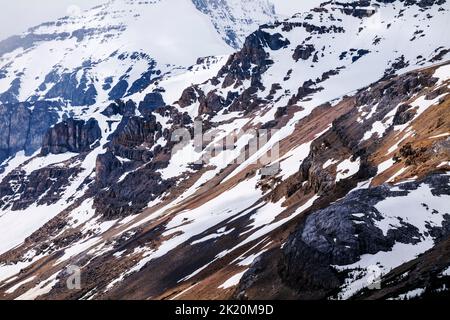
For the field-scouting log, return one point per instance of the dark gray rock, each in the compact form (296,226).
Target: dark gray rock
(126,109)
(189,96)
(403,115)
(119,90)
(211,104)
(22,126)
(145,80)
(251,61)
(10,95)
(303,52)
(134,137)
(151,102)
(133,193)
(336,236)
(107,166)
(68,88)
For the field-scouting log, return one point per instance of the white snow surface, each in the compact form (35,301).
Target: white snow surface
(419,208)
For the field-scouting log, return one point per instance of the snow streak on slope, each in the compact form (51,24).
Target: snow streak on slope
(118,48)
(420,208)
(129,206)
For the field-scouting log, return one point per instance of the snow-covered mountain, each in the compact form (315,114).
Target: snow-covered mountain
(123,40)
(114,51)
(117,41)
(236,19)
(328,122)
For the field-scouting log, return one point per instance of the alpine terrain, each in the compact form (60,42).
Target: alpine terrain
(217,149)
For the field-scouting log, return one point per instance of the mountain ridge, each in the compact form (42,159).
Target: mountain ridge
(351,106)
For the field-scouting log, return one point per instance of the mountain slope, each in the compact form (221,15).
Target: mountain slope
(235,19)
(109,52)
(351,104)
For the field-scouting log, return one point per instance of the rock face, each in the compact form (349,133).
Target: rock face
(42,187)
(22,126)
(189,96)
(151,102)
(303,52)
(71,136)
(106,166)
(67,86)
(251,61)
(403,115)
(227,14)
(211,104)
(143,219)
(341,233)
(132,194)
(135,137)
(126,109)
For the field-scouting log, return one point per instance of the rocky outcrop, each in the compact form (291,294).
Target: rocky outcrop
(126,109)
(189,96)
(303,52)
(68,87)
(42,187)
(420,3)
(71,136)
(211,104)
(22,126)
(412,155)
(129,168)
(339,235)
(119,90)
(106,167)
(251,61)
(403,115)
(151,102)
(135,137)
(133,193)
